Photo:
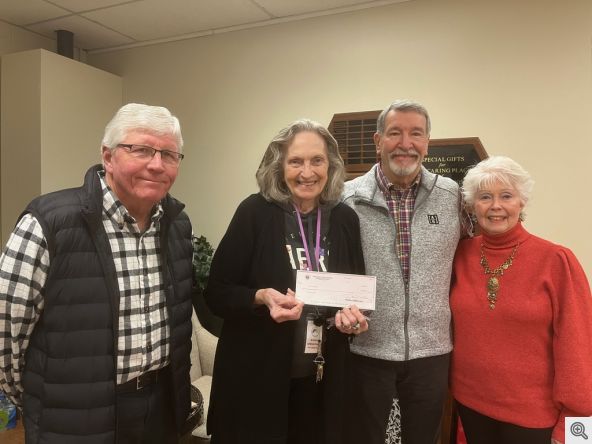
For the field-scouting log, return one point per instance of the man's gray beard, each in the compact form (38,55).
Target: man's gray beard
(400,171)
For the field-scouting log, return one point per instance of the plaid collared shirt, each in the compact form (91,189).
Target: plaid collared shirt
(143,330)
(401,203)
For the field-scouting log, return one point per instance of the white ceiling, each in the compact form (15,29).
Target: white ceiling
(101,25)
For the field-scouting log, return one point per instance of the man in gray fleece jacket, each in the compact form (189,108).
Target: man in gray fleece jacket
(410,226)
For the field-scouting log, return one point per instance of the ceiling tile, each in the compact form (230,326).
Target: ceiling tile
(104,24)
(87,35)
(21,12)
(87,5)
(280,8)
(176,17)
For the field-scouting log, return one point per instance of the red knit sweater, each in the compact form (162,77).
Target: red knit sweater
(529,360)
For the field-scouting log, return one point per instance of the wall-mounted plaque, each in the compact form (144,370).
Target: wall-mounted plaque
(354,133)
(453,157)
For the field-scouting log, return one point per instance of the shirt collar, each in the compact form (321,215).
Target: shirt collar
(116,211)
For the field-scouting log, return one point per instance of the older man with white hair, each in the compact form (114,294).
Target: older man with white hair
(95,296)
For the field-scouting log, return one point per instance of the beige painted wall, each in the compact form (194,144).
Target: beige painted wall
(54,111)
(517,74)
(77,101)
(20,142)
(15,39)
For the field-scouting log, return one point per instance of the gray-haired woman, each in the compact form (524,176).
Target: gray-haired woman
(267,386)
(522,312)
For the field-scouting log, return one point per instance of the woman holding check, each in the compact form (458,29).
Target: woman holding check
(280,366)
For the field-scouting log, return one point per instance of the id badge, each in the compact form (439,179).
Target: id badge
(314,336)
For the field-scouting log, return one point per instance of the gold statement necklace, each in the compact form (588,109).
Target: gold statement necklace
(493,283)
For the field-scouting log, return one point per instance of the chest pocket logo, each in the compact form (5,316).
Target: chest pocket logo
(433,219)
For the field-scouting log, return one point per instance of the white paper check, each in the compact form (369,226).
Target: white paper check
(336,289)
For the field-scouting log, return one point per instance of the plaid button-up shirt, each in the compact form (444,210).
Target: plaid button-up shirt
(143,332)
(401,203)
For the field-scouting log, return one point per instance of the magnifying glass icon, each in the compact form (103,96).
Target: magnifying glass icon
(578,429)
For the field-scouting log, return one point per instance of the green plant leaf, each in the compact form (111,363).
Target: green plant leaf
(202,260)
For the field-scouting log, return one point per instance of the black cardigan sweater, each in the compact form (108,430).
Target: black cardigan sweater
(249,399)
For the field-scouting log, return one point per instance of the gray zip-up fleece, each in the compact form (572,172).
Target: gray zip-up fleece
(412,322)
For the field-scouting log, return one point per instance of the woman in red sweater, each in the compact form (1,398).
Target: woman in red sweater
(522,316)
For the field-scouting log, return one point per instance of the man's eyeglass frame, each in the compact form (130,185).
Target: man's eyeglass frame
(174,154)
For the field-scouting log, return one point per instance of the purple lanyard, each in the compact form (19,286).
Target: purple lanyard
(305,243)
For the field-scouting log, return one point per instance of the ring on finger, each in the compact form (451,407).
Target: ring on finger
(356,326)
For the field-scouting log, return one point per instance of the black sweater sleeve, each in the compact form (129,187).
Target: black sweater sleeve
(228,293)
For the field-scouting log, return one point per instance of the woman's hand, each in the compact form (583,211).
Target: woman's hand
(350,320)
(282,307)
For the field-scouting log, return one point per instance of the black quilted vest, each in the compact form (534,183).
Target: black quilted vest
(69,378)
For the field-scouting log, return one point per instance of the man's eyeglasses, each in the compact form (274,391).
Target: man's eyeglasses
(144,152)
